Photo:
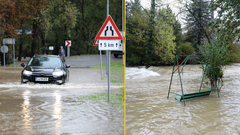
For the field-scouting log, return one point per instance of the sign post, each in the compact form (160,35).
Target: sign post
(96,42)
(109,39)
(68,44)
(4,48)
(123,29)
(51,48)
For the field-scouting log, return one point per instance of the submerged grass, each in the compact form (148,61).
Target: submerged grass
(117,76)
(116,69)
(117,98)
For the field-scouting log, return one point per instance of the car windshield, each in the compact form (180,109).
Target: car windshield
(49,62)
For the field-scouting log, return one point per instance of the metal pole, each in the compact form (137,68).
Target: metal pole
(14,56)
(123,30)
(109,76)
(107,62)
(107,8)
(4,57)
(101,62)
(68,51)
(4,53)
(107,51)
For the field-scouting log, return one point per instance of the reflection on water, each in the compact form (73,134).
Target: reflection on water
(57,108)
(150,112)
(27,115)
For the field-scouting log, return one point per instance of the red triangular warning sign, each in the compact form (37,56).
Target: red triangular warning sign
(95,43)
(109,30)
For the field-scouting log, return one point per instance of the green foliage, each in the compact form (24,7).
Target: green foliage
(133,59)
(75,20)
(136,37)
(227,22)
(178,32)
(185,49)
(141,48)
(164,47)
(150,35)
(66,15)
(235,49)
(217,55)
(197,20)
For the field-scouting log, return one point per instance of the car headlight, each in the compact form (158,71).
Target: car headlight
(59,73)
(25,72)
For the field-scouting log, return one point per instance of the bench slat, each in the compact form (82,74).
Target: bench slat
(193,95)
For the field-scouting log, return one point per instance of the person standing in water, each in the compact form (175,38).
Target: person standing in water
(62,53)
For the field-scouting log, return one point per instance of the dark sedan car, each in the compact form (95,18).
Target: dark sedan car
(45,69)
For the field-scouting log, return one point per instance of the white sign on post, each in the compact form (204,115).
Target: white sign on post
(4,49)
(9,41)
(110,45)
(50,47)
(68,43)
(108,38)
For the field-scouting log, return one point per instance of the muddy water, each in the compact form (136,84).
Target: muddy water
(28,109)
(149,112)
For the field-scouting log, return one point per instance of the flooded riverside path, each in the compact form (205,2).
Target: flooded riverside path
(149,112)
(49,109)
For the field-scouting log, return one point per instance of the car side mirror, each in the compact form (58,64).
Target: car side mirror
(23,64)
(67,66)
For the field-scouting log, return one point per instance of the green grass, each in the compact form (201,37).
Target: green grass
(17,63)
(99,66)
(83,55)
(116,98)
(113,65)
(116,69)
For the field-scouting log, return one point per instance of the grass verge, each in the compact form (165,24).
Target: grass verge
(117,98)
(116,69)
(82,55)
(16,63)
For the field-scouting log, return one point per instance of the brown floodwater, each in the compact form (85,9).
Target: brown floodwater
(48,109)
(149,112)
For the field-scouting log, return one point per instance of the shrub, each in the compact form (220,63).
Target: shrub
(218,53)
(185,49)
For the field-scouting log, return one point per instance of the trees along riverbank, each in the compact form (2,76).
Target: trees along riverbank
(170,38)
(54,21)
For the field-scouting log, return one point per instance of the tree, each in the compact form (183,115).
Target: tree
(197,18)
(227,22)
(150,34)
(217,55)
(14,13)
(164,47)
(66,18)
(136,37)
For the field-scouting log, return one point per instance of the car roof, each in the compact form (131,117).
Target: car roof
(45,55)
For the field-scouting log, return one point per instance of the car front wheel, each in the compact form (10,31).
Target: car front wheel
(22,81)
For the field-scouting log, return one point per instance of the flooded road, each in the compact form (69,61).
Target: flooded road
(149,112)
(49,109)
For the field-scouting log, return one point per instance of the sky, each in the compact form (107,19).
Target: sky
(174,5)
